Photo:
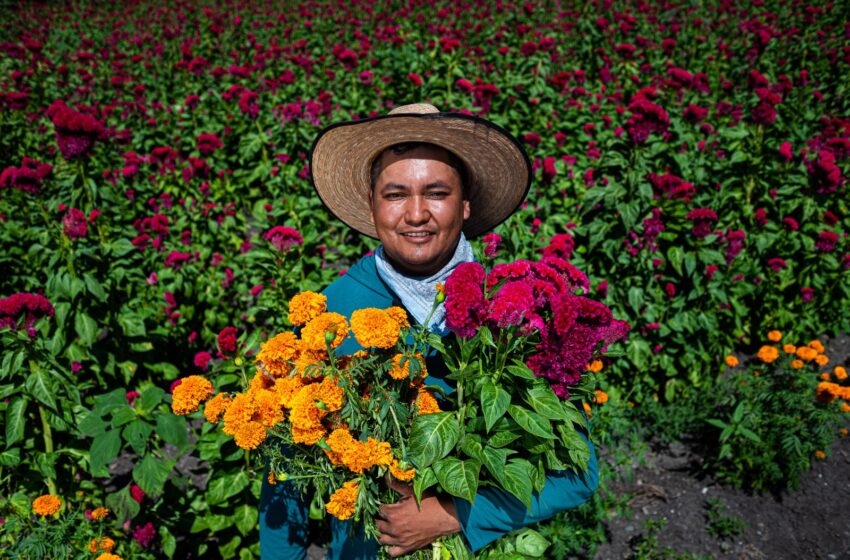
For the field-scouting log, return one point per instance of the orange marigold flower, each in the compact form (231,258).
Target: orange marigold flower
(46,505)
(99,514)
(731,361)
(397,371)
(108,556)
(820,455)
(824,377)
(821,359)
(381,452)
(267,408)
(308,358)
(789,348)
(306,306)
(843,432)
(278,352)
(427,402)
(399,315)
(843,393)
(806,353)
(797,364)
(188,396)
(313,333)
(768,354)
(845,407)
(308,436)
(404,475)
(817,346)
(287,387)
(586,407)
(595,366)
(827,392)
(101,543)
(600,397)
(241,421)
(375,328)
(330,394)
(840,373)
(343,501)
(305,415)
(339,441)
(216,407)
(774,336)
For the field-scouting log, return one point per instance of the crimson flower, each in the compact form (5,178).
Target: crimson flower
(283,238)
(76,132)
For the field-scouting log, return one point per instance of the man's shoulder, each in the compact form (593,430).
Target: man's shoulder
(359,287)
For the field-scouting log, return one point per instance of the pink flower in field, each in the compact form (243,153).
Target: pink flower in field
(829,218)
(532,139)
(790,224)
(74,224)
(144,534)
(776,264)
(176,259)
(647,117)
(76,367)
(415,79)
(25,306)
(492,242)
(464,85)
(131,397)
(248,103)
(465,299)
(366,77)
(202,360)
(227,340)
(824,174)
(703,220)
(671,187)
(735,244)
(208,143)
(348,59)
(283,238)
(695,114)
(561,246)
(76,133)
(28,177)
(257,290)
(670,290)
(826,241)
(549,170)
(511,305)
(785,151)
(192,101)
(760,216)
(807,294)
(711,270)
(483,95)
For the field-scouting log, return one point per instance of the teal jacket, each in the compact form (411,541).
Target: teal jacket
(494,512)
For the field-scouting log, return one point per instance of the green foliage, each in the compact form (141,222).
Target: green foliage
(646,547)
(718,521)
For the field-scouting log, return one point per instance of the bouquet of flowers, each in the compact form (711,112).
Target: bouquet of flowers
(336,426)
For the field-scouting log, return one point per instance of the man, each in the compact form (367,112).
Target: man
(420,181)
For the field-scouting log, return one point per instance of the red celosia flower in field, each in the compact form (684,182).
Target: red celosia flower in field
(511,305)
(415,79)
(348,59)
(202,360)
(208,143)
(74,224)
(735,244)
(647,117)
(227,340)
(549,170)
(532,139)
(29,307)
(131,397)
(824,174)
(695,113)
(137,493)
(703,220)
(790,224)
(14,100)
(76,132)
(283,238)
(829,218)
(785,151)
(28,177)
(765,110)
(192,101)
(144,534)
(671,186)
(826,241)
(670,290)
(366,77)
(492,242)
(465,299)
(483,95)
(464,85)
(248,103)
(561,245)
(760,216)
(806,294)
(176,259)
(776,264)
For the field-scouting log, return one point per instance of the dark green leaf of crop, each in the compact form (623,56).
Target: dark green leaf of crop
(494,402)
(94,287)
(104,448)
(433,436)
(458,478)
(518,475)
(39,385)
(86,327)
(425,478)
(546,402)
(15,420)
(92,425)
(172,429)
(122,504)
(150,474)
(577,446)
(136,434)
(531,422)
(245,518)
(494,460)
(519,369)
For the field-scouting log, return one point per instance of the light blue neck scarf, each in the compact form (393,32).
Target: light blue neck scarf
(417,293)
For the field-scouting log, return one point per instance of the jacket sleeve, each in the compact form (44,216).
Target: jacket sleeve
(496,512)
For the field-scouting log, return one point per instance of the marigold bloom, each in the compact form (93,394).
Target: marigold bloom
(216,407)
(600,397)
(768,354)
(820,455)
(587,410)
(824,377)
(306,306)
(46,505)
(287,387)
(108,556)
(797,364)
(806,354)
(817,346)
(305,414)
(241,421)
(401,474)
(843,432)
(774,336)
(375,328)
(99,514)
(308,436)
(397,371)
(427,402)
(827,392)
(102,543)
(189,395)
(330,394)
(821,359)
(789,348)
(840,373)
(343,501)
(277,352)
(731,361)
(272,479)
(313,333)
(595,366)
(845,407)
(400,316)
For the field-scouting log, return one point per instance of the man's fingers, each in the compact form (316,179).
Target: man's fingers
(403,488)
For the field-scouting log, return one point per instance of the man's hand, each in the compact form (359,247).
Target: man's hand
(404,527)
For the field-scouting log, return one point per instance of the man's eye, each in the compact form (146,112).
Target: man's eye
(438,194)
(393,196)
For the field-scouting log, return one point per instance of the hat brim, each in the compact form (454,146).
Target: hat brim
(498,169)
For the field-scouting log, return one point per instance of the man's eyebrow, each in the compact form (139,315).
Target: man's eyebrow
(430,186)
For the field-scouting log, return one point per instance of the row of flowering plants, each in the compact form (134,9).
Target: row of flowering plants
(156,215)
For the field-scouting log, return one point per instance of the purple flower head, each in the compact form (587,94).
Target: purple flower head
(28,177)
(826,241)
(144,534)
(76,132)
(511,305)
(465,299)
(492,242)
(561,245)
(74,224)
(647,117)
(208,143)
(776,264)
(26,307)
(824,174)
(703,220)
(283,238)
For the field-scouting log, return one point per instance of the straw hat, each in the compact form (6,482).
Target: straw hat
(498,170)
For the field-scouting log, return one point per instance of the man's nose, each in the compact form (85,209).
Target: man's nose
(416,211)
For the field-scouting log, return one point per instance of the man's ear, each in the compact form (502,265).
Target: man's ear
(371,209)
(466,209)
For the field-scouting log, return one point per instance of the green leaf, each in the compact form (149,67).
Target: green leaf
(518,475)
(432,437)
(531,543)
(106,403)
(636,299)
(104,449)
(521,370)
(501,439)
(92,425)
(545,402)
(577,446)
(494,402)
(122,504)
(245,518)
(494,460)
(86,327)
(572,413)
(94,287)
(531,422)
(137,434)
(223,487)
(122,246)
(150,474)
(39,386)
(10,457)
(167,541)
(172,429)
(123,415)
(151,397)
(425,478)
(15,420)
(11,364)
(458,478)
(132,325)
(675,256)
(228,550)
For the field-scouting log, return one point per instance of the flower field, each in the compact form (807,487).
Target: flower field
(156,218)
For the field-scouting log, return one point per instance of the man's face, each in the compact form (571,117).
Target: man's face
(418,209)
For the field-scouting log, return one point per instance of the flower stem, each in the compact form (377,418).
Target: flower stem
(47,433)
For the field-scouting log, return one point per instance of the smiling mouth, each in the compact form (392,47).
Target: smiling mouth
(417,234)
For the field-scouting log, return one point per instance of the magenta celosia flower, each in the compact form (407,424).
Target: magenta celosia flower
(415,79)
(790,224)
(227,340)
(26,308)
(561,245)
(671,186)
(826,241)
(74,224)
(670,290)
(137,493)
(131,397)
(735,244)
(348,59)
(28,177)
(202,360)
(695,114)
(76,133)
(283,238)
(806,294)
(549,170)
(647,117)
(208,143)
(573,278)
(492,242)
(144,534)
(703,220)
(785,151)
(511,305)
(760,216)
(465,299)
(776,264)
(824,174)
(176,259)
(248,103)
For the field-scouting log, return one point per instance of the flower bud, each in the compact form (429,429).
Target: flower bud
(330,334)
(441,293)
